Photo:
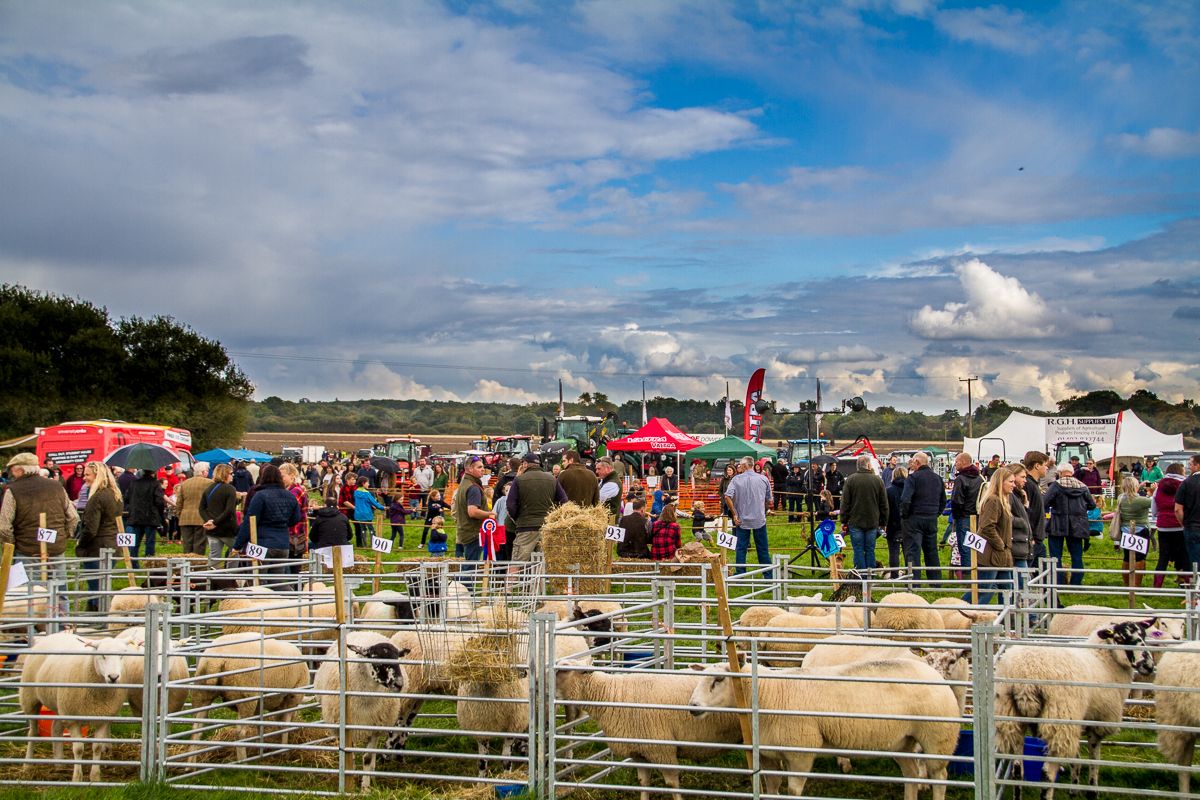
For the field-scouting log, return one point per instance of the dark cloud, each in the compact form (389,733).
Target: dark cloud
(247,62)
(1187,312)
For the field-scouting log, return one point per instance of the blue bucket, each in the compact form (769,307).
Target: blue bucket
(636,656)
(1035,751)
(510,789)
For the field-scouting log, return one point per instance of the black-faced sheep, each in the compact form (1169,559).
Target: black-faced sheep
(1179,669)
(1022,690)
(659,728)
(66,658)
(908,691)
(374,676)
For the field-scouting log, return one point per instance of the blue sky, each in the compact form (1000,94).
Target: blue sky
(473,200)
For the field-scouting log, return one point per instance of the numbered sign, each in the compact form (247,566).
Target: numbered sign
(326,554)
(614,533)
(381,545)
(975,542)
(126,539)
(256,551)
(47,535)
(1138,544)
(840,541)
(17,576)
(727,540)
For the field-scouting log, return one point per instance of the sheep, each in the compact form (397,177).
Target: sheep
(793,634)
(955,618)
(266,673)
(1165,630)
(388,604)
(575,610)
(262,611)
(658,727)
(896,694)
(904,611)
(502,713)
(1179,668)
(380,675)
(133,671)
(130,602)
(1022,690)
(66,658)
(758,616)
(950,661)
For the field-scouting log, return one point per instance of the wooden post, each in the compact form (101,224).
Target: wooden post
(5,568)
(1130,577)
(125,554)
(974,565)
(42,548)
(378,555)
(339,586)
(254,540)
(717,571)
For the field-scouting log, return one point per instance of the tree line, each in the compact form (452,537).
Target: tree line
(64,359)
(696,416)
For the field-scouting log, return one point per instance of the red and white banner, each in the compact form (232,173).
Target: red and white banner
(753,419)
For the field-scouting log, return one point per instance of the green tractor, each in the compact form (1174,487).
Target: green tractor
(588,436)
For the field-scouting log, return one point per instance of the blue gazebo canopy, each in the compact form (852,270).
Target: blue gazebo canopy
(223,455)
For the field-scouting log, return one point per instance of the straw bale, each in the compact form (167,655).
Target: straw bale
(247,730)
(573,543)
(489,656)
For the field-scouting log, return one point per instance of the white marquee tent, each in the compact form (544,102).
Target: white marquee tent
(1023,432)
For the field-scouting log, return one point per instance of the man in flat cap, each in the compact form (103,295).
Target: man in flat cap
(28,496)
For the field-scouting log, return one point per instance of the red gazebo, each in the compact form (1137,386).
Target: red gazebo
(656,436)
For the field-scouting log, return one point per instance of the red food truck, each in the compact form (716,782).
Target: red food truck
(75,443)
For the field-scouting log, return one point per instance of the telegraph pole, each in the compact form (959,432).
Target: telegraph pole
(970,415)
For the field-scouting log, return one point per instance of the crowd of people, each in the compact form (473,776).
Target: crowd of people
(1023,511)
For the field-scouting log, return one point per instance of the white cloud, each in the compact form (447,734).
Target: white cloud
(1161,143)
(998,307)
(378,381)
(841,353)
(993,26)
(489,391)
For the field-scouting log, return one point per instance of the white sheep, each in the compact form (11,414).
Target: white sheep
(499,707)
(1179,668)
(950,661)
(905,611)
(909,692)
(388,604)
(250,670)
(25,602)
(133,671)
(374,681)
(488,706)
(1025,688)
(263,611)
(955,617)
(758,616)
(66,658)
(658,728)
(130,602)
(788,635)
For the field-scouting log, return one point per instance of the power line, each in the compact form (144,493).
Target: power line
(414,365)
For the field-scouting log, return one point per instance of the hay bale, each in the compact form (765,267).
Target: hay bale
(489,657)
(573,543)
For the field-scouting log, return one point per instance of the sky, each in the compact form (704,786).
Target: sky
(474,200)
